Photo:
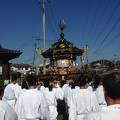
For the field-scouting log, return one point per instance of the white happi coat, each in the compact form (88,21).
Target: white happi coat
(59,93)
(100,97)
(67,92)
(112,112)
(7,112)
(90,88)
(22,91)
(65,87)
(31,105)
(9,94)
(40,88)
(17,90)
(70,94)
(83,101)
(52,103)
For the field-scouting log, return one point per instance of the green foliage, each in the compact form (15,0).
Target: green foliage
(1,82)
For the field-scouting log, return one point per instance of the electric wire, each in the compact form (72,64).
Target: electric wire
(104,27)
(107,35)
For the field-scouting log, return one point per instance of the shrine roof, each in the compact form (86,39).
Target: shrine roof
(62,46)
(8,54)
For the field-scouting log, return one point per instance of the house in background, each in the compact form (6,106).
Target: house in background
(21,68)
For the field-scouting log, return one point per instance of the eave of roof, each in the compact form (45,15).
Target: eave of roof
(7,54)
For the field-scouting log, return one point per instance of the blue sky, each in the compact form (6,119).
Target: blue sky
(92,22)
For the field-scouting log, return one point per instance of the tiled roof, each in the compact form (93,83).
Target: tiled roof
(7,54)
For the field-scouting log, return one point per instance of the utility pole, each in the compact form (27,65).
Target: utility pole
(42,2)
(35,47)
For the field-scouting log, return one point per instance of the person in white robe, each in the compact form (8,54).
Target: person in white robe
(111,84)
(67,89)
(32,105)
(59,93)
(40,85)
(66,85)
(67,92)
(73,88)
(50,96)
(9,93)
(6,111)
(82,102)
(17,90)
(24,87)
(111,112)
(98,90)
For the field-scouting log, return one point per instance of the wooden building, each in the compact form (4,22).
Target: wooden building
(62,55)
(5,56)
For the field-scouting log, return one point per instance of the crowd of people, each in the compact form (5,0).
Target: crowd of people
(72,99)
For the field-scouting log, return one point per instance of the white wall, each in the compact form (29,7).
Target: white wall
(0,69)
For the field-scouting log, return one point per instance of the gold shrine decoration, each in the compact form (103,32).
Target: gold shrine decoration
(63,63)
(62,50)
(62,45)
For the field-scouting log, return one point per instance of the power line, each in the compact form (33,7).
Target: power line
(107,35)
(105,26)
(113,39)
(101,15)
(53,21)
(93,19)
